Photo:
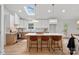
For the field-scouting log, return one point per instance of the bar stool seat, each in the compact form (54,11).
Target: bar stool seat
(45,41)
(33,42)
(56,42)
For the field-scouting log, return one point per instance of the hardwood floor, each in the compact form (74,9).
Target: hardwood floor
(20,48)
(16,49)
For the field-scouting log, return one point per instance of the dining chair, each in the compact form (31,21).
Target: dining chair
(33,42)
(45,42)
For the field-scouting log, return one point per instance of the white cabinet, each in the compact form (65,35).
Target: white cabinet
(16,20)
(42,25)
(21,25)
(12,22)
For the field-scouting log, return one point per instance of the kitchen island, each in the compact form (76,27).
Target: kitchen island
(39,38)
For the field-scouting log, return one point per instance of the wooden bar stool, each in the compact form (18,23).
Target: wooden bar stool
(45,41)
(33,42)
(56,42)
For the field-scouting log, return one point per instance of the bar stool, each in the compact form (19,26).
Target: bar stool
(33,42)
(56,42)
(45,41)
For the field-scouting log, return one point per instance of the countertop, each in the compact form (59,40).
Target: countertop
(48,34)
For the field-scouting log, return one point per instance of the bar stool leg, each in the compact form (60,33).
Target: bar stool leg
(48,46)
(30,47)
(37,45)
(41,46)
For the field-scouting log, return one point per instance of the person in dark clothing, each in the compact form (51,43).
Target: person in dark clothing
(71,44)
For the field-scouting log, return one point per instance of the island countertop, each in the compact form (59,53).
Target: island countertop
(44,34)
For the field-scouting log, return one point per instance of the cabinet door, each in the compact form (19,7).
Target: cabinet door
(11,21)
(16,19)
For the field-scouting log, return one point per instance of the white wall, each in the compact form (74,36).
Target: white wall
(59,26)
(0,24)
(72,26)
(7,21)
(2,40)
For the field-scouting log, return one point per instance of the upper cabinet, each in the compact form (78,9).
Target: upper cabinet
(12,22)
(16,23)
(42,24)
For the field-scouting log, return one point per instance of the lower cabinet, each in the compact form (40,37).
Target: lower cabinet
(11,39)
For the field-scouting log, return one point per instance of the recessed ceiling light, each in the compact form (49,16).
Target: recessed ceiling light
(20,10)
(24,6)
(77,22)
(35,21)
(49,11)
(63,10)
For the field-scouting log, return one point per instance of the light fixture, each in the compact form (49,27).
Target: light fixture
(63,11)
(78,22)
(49,11)
(19,10)
(35,21)
(53,21)
(35,4)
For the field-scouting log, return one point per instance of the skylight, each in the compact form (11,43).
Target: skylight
(30,9)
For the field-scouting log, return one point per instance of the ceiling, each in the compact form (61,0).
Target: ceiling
(61,11)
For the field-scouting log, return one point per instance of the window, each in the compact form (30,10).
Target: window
(30,9)
(30,26)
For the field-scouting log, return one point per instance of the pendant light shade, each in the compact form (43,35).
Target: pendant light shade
(53,20)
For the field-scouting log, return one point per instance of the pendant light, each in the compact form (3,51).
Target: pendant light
(53,20)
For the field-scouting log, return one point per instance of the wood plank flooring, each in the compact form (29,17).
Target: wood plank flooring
(20,48)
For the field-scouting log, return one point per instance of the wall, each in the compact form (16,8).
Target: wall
(2,31)
(59,26)
(0,24)
(72,26)
(7,21)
